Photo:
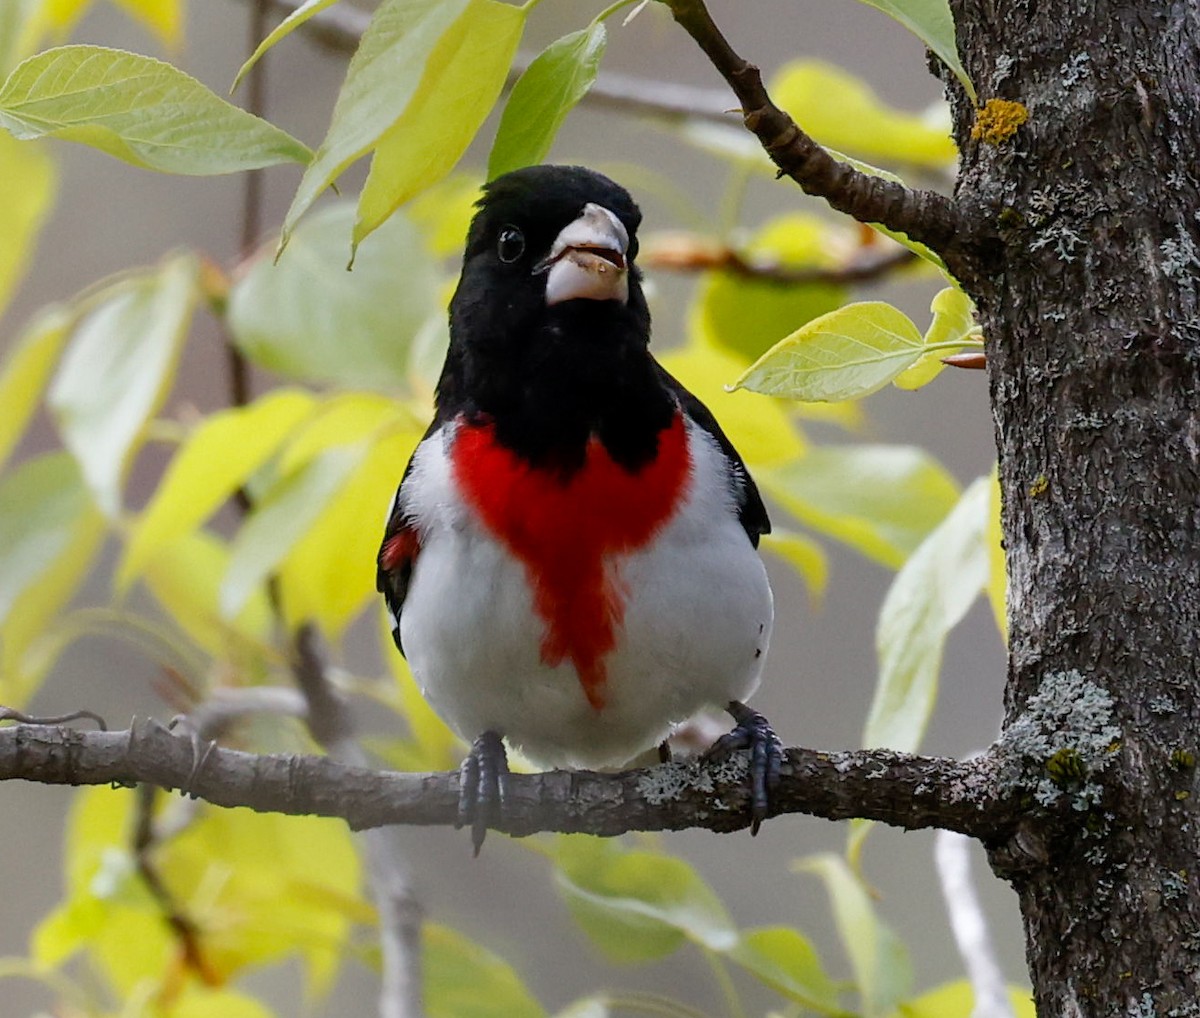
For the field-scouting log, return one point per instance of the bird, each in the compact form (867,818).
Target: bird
(570,561)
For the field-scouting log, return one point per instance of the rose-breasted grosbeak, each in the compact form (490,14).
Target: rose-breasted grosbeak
(570,559)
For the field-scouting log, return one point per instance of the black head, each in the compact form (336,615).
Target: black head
(549,271)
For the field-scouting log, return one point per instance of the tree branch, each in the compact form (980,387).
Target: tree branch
(925,216)
(338,29)
(895,788)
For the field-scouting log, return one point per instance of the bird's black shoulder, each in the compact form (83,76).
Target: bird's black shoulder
(401,543)
(752,513)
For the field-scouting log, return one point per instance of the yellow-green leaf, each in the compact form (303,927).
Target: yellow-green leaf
(932,23)
(443,213)
(30,182)
(997,584)
(138,109)
(845,354)
(184,574)
(279,520)
(787,962)
(803,554)
(118,368)
(748,315)
(263,887)
(760,429)
(551,86)
(953,323)
(308,318)
(879,499)
(329,574)
(25,372)
(842,112)
(637,906)
(462,80)
(214,460)
(383,76)
(928,598)
(341,420)
(49,534)
(882,970)
(957,1000)
(294,20)
(205,1002)
(463,979)
(162,18)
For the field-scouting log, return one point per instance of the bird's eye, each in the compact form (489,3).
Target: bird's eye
(511,245)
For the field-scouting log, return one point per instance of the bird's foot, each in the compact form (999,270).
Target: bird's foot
(482,786)
(753,732)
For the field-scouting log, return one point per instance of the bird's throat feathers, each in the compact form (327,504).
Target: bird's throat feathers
(570,530)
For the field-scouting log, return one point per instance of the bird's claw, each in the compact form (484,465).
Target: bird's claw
(482,786)
(753,732)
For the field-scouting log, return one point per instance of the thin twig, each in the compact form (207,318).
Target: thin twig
(11,714)
(185,930)
(339,28)
(689,253)
(399,911)
(925,216)
(952,856)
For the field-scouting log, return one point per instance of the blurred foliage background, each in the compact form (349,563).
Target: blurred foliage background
(162,545)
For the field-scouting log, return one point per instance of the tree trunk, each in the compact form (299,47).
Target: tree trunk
(1088,301)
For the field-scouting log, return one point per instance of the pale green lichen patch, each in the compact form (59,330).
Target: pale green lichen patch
(1065,735)
(670,781)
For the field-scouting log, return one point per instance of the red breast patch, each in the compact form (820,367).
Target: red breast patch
(568,531)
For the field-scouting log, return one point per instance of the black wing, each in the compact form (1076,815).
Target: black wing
(399,550)
(752,514)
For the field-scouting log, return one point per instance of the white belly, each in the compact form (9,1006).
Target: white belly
(696,624)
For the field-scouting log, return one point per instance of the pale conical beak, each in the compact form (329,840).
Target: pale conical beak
(587,259)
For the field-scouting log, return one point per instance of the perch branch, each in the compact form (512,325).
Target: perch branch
(925,216)
(894,788)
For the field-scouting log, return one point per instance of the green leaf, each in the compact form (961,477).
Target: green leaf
(204,1002)
(803,554)
(25,372)
(928,598)
(117,371)
(49,534)
(216,458)
(957,1000)
(383,76)
(30,182)
(952,326)
(932,23)
(747,315)
(761,429)
(638,906)
(543,96)
(138,109)
(184,574)
(288,25)
(279,520)
(308,318)
(787,962)
(462,80)
(840,111)
(329,574)
(997,585)
(882,970)
(845,354)
(463,979)
(880,499)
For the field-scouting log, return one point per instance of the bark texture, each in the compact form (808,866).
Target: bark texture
(1088,297)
